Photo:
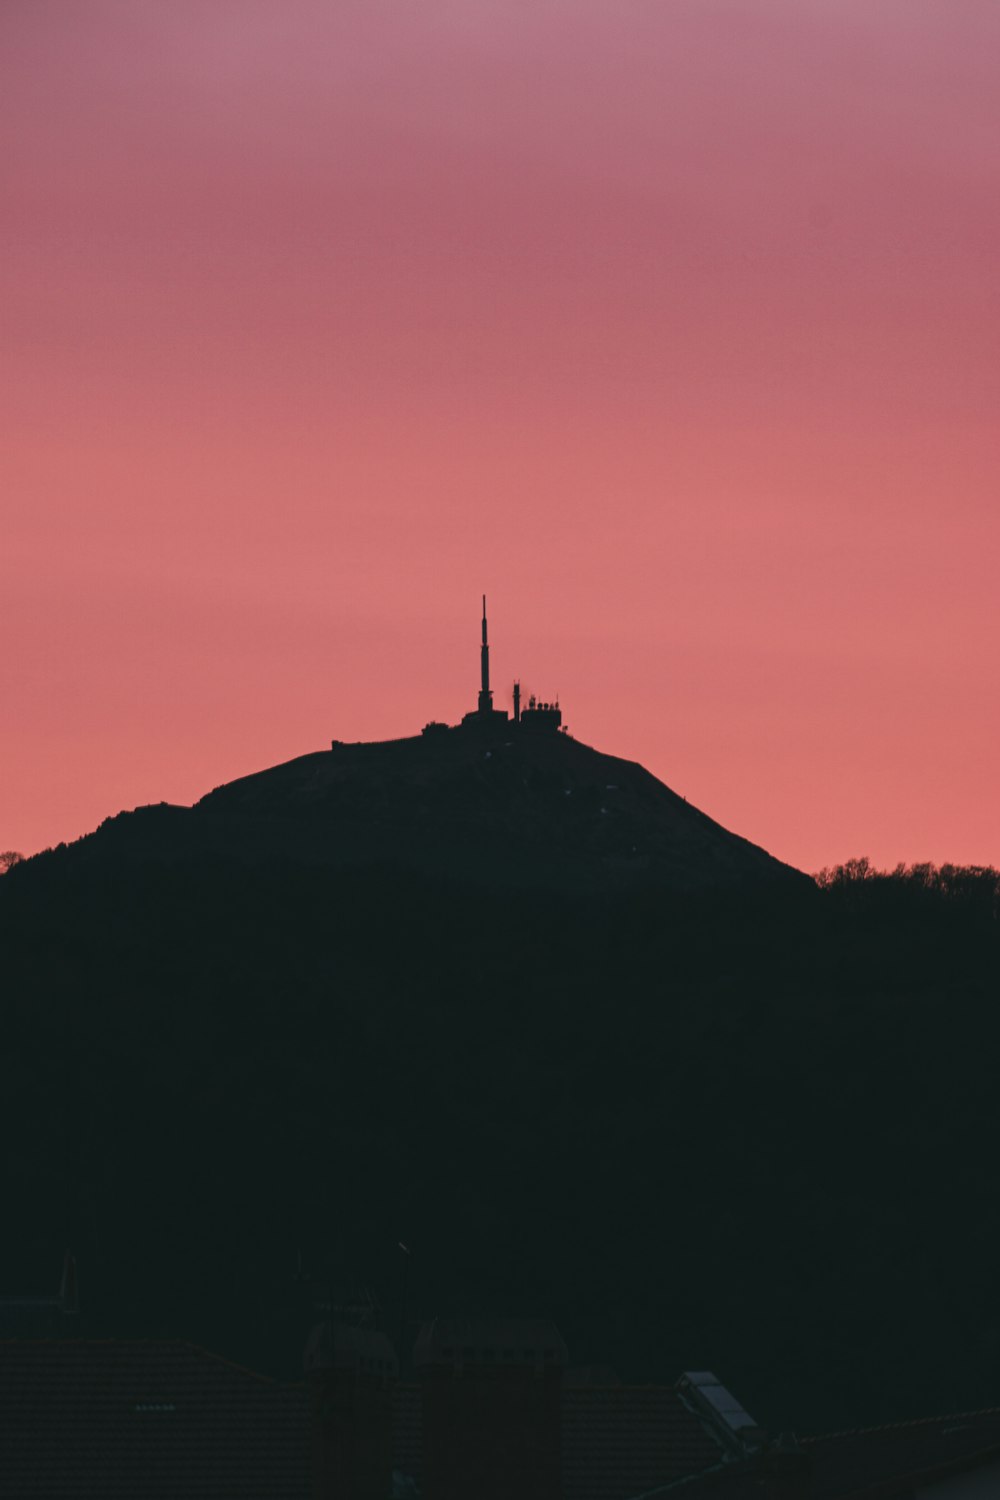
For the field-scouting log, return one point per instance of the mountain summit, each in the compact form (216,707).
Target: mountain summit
(502,799)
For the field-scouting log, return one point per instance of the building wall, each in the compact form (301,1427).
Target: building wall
(351,1436)
(491,1432)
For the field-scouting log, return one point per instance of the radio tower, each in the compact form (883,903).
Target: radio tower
(485,696)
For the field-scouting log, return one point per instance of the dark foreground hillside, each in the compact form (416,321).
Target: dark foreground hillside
(756,1132)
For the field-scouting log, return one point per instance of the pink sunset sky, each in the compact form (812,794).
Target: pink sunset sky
(674,325)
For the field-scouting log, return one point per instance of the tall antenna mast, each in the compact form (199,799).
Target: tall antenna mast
(485,696)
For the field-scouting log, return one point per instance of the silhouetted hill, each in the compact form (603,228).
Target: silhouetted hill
(749,1126)
(515,808)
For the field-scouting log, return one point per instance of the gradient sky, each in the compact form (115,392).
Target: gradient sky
(674,325)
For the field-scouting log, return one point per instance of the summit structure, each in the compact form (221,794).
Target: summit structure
(536,716)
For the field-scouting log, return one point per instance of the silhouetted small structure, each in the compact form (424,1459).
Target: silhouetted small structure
(720,1410)
(543,718)
(536,717)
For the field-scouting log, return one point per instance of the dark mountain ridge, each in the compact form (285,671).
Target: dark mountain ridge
(513,807)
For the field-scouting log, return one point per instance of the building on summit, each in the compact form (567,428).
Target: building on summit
(536,716)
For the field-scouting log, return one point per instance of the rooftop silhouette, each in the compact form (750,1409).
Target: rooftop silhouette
(535,716)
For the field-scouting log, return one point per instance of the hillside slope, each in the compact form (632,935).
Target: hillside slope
(538,811)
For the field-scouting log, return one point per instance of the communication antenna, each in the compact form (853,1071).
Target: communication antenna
(485,696)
